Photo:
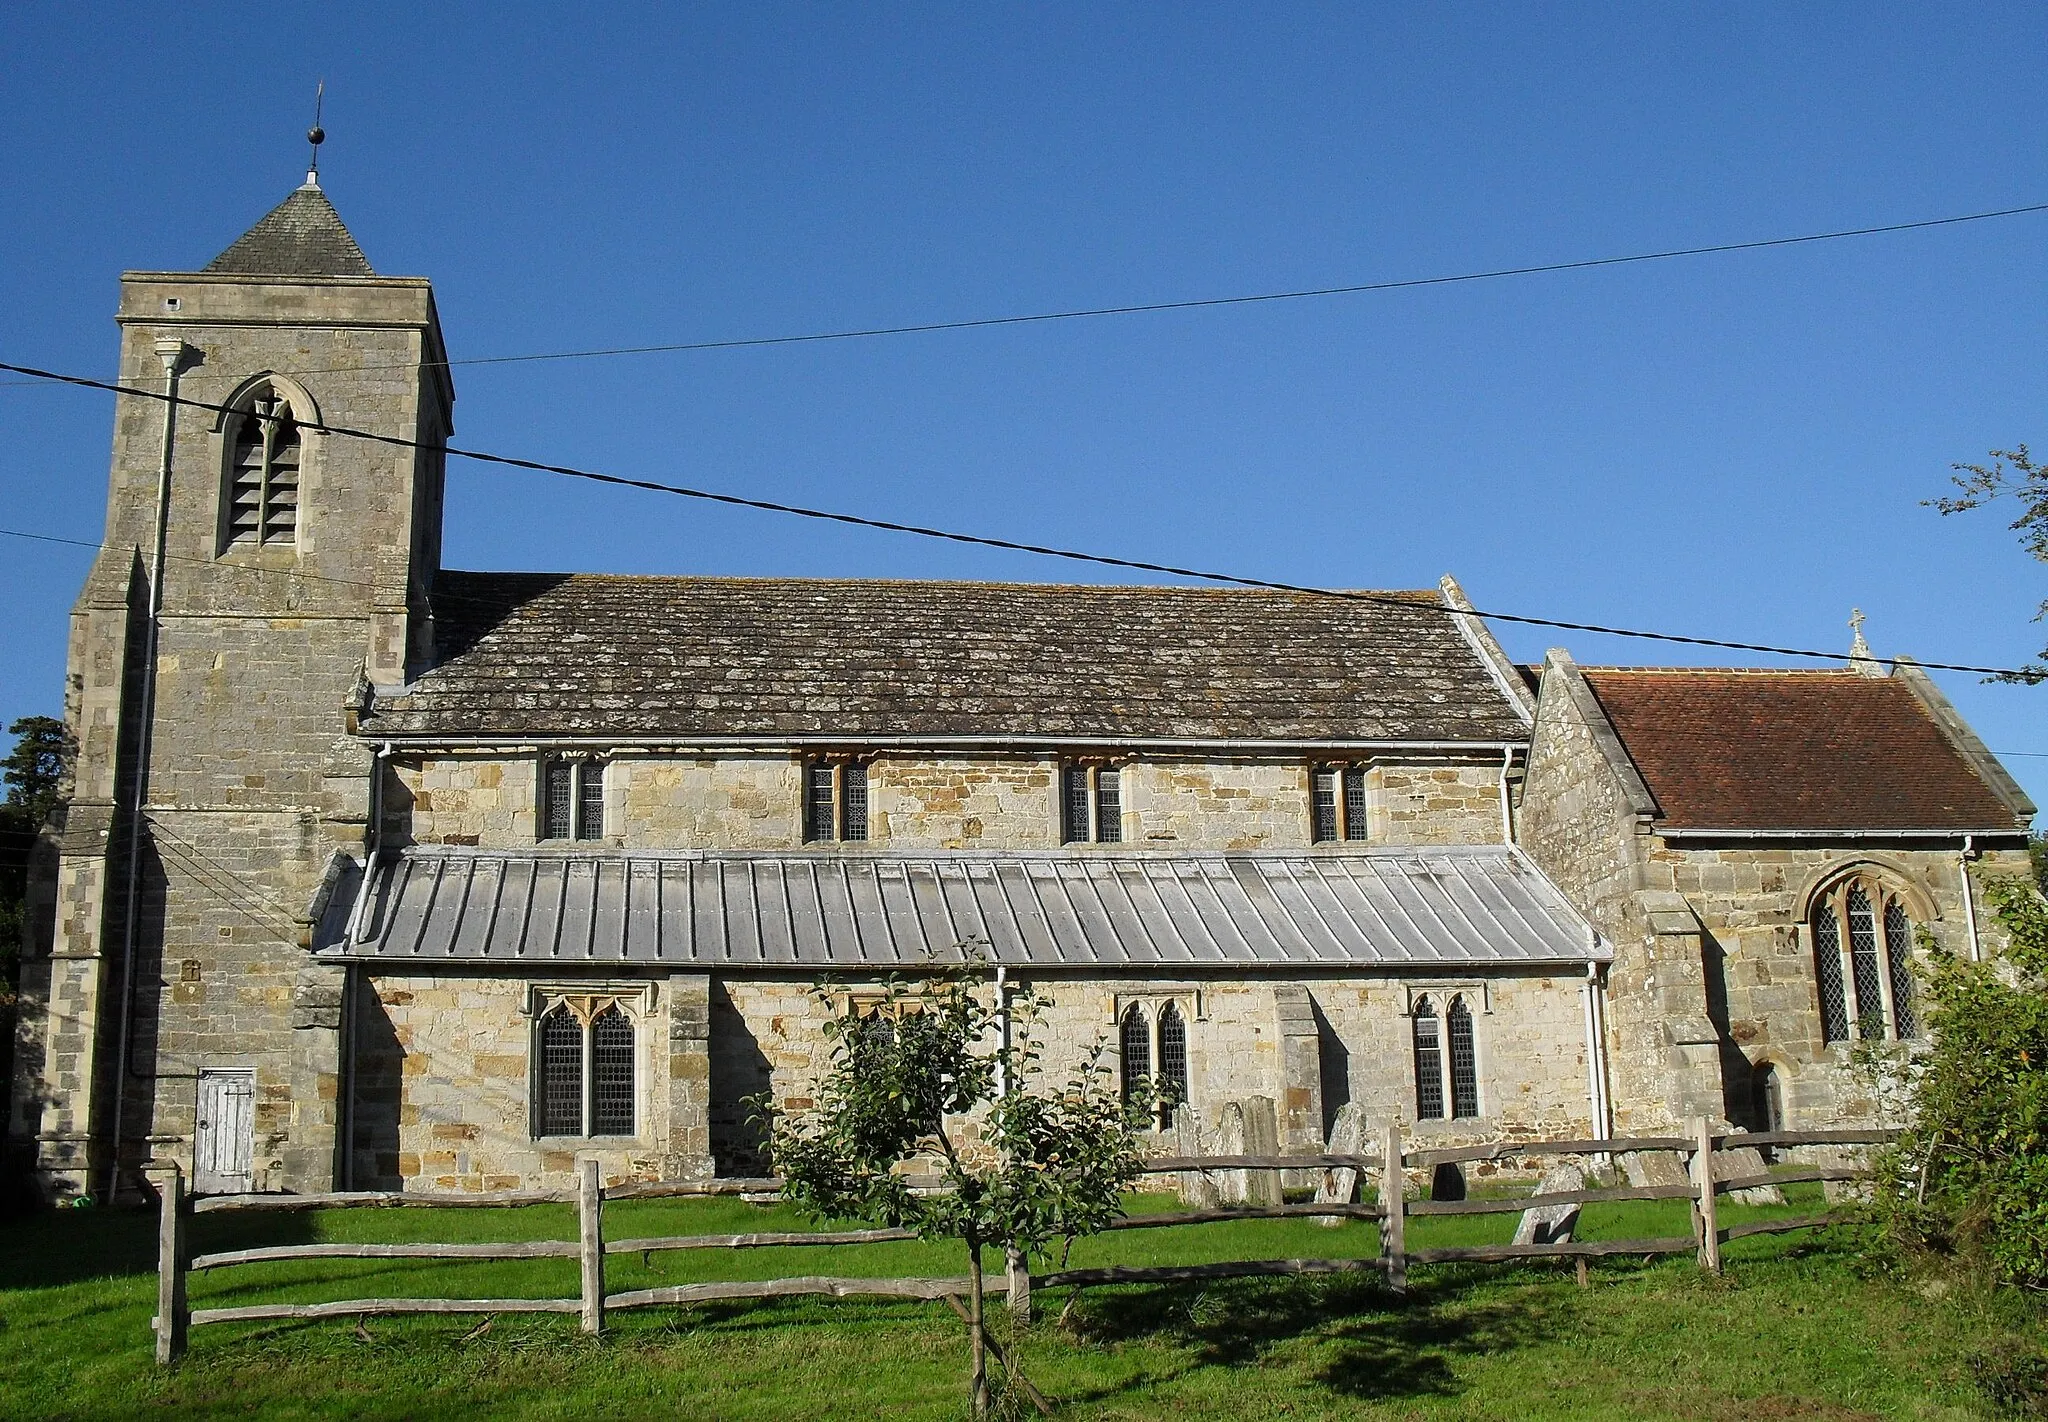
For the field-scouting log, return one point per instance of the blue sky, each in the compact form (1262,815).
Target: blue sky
(1732,446)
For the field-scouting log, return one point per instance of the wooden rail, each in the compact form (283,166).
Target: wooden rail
(174,1316)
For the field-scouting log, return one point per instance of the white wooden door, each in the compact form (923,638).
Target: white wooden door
(224,1144)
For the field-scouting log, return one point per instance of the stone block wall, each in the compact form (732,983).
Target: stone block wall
(1433,804)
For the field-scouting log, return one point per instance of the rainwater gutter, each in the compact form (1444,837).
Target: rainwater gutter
(171,351)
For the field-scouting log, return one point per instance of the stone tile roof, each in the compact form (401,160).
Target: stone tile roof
(301,236)
(1793,750)
(1463,906)
(537,655)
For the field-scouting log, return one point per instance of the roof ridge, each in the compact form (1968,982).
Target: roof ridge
(1422,596)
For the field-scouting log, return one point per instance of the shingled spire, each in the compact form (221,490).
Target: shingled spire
(302,237)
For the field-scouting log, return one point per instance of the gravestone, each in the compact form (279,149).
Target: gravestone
(1552,1224)
(1229,1140)
(1261,1137)
(1197,1187)
(1340,1182)
(1653,1167)
(1447,1181)
(1740,1163)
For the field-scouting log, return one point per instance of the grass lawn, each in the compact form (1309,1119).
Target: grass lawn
(1794,1330)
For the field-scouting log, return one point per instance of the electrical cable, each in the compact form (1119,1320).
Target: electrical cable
(1005,544)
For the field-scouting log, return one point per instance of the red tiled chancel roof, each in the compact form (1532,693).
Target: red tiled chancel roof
(1767,750)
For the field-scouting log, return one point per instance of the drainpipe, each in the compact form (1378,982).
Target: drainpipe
(1969,899)
(1596,1054)
(1003,1026)
(373,834)
(171,352)
(373,837)
(1507,812)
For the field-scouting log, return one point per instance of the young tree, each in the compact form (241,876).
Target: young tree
(1970,1175)
(34,775)
(924,1077)
(2012,472)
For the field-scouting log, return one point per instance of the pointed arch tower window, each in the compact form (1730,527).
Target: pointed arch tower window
(264,447)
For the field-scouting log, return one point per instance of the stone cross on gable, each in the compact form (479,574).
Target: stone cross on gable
(1860,655)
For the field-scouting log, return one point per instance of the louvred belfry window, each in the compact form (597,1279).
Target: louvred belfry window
(1862,962)
(263,474)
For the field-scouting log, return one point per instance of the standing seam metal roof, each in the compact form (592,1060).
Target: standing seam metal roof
(1466,906)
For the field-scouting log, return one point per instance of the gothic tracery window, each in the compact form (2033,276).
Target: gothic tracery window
(1446,1060)
(262,496)
(1153,1046)
(1862,961)
(586,1075)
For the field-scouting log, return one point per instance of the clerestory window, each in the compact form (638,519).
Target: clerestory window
(1336,803)
(572,798)
(1091,804)
(264,446)
(835,801)
(585,1076)
(1863,962)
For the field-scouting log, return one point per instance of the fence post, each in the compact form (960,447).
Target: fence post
(172,1314)
(1705,1217)
(1020,1286)
(1394,1223)
(590,1218)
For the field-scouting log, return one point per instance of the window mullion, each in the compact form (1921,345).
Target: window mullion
(588,1074)
(1879,901)
(1845,949)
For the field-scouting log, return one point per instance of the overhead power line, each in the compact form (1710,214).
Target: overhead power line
(922,328)
(985,541)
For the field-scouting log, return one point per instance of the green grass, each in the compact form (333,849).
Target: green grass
(1795,1329)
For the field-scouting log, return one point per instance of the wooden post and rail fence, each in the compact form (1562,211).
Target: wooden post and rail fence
(1392,1210)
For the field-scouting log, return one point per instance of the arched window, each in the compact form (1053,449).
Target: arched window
(1862,962)
(1137,1050)
(611,1074)
(1464,1061)
(261,500)
(561,1074)
(586,1079)
(1173,1064)
(1429,1063)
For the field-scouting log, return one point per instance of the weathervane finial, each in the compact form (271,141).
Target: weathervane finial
(316,135)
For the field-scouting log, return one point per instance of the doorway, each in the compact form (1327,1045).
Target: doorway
(224,1145)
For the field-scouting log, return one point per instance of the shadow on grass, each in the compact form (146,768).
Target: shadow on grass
(1374,1345)
(55,1248)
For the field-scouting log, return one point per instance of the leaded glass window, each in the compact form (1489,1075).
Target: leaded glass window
(586,1081)
(1137,1050)
(558,799)
(1429,1063)
(1863,961)
(1827,971)
(819,802)
(853,785)
(1898,946)
(263,474)
(590,801)
(1173,1063)
(1464,1061)
(561,1074)
(1323,788)
(1109,805)
(1354,804)
(611,1074)
(1074,804)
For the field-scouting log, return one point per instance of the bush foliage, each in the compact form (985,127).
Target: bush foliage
(1970,1176)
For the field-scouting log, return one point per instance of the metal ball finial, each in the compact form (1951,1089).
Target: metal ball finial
(316,135)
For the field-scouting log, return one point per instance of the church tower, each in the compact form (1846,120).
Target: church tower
(259,568)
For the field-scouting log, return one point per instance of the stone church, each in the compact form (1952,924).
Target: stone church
(380,875)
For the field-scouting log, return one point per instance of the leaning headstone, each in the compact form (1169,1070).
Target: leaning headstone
(1552,1224)
(1740,1163)
(1229,1140)
(1653,1167)
(1340,1182)
(1261,1137)
(1197,1187)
